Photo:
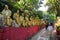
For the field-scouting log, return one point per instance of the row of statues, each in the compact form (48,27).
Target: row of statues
(19,20)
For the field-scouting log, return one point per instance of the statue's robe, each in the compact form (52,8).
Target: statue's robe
(7,15)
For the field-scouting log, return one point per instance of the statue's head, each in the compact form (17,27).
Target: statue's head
(17,11)
(6,7)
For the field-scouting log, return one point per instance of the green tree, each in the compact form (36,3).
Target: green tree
(25,6)
(54,6)
(30,5)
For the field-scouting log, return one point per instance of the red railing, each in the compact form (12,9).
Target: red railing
(22,33)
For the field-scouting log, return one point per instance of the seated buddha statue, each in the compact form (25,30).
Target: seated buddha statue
(16,17)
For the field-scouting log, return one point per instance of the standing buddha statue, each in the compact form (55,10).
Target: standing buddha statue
(6,13)
(27,19)
(21,19)
(16,17)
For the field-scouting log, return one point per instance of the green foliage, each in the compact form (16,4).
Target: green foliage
(26,6)
(51,17)
(54,6)
(40,14)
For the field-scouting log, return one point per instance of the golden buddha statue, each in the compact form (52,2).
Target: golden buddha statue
(21,18)
(37,20)
(6,13)
(27,19)
(57,23)
(16,17)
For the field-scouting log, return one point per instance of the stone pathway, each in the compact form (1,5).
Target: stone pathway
(43,35)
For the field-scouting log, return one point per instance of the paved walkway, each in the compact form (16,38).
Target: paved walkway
(43,35)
